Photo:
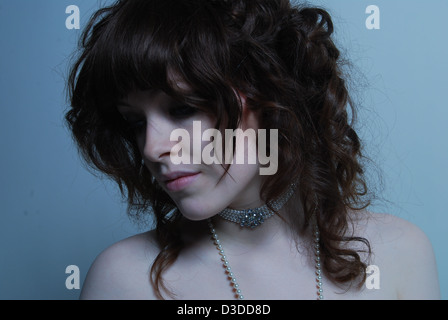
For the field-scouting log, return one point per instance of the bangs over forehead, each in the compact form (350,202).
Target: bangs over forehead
(155,45)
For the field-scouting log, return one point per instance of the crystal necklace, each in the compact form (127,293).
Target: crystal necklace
(253,218)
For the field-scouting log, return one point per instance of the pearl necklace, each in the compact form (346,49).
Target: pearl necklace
(231,276)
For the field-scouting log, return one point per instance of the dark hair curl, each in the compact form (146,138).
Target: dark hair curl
(281,57)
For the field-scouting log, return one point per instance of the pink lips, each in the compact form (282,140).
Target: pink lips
(177,181)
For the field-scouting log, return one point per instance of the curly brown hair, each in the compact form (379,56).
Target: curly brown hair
(282,57)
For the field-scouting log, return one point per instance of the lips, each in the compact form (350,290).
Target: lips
(177,181)
(176,175)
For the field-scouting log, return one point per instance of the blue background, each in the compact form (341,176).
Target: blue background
(54,213)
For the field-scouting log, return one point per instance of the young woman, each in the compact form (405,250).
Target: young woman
(156,87)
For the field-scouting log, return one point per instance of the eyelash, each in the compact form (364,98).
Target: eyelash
(182,112)
(178,113)
(137,126)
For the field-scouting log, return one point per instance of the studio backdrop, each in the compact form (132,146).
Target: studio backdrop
(56,216)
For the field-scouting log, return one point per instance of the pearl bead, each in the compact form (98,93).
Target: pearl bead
(232,277)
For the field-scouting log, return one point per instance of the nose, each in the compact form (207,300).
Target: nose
(157,145)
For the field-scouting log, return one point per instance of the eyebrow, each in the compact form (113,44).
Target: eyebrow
(126,108)
(123,104)
(128,111)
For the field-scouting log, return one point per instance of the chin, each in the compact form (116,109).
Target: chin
(199,212)
(196,216)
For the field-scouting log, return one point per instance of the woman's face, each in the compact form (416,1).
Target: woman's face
(195,187)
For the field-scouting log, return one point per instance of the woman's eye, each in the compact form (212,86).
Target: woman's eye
(135,124)
(138,126)
(183,111)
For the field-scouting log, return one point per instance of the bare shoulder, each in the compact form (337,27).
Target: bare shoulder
(404,251)
(388,228)
(394,232)
(121,271)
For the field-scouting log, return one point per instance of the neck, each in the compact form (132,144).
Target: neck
(283,226)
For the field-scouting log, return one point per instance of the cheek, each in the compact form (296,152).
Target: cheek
(246,148)
(241,174)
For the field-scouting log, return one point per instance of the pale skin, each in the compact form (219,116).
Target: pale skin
(269,262)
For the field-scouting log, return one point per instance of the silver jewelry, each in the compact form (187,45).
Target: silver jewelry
(225,263)
(251,218)
(231,276)
(320,291)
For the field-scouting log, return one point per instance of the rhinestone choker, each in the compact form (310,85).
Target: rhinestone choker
(251,218)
